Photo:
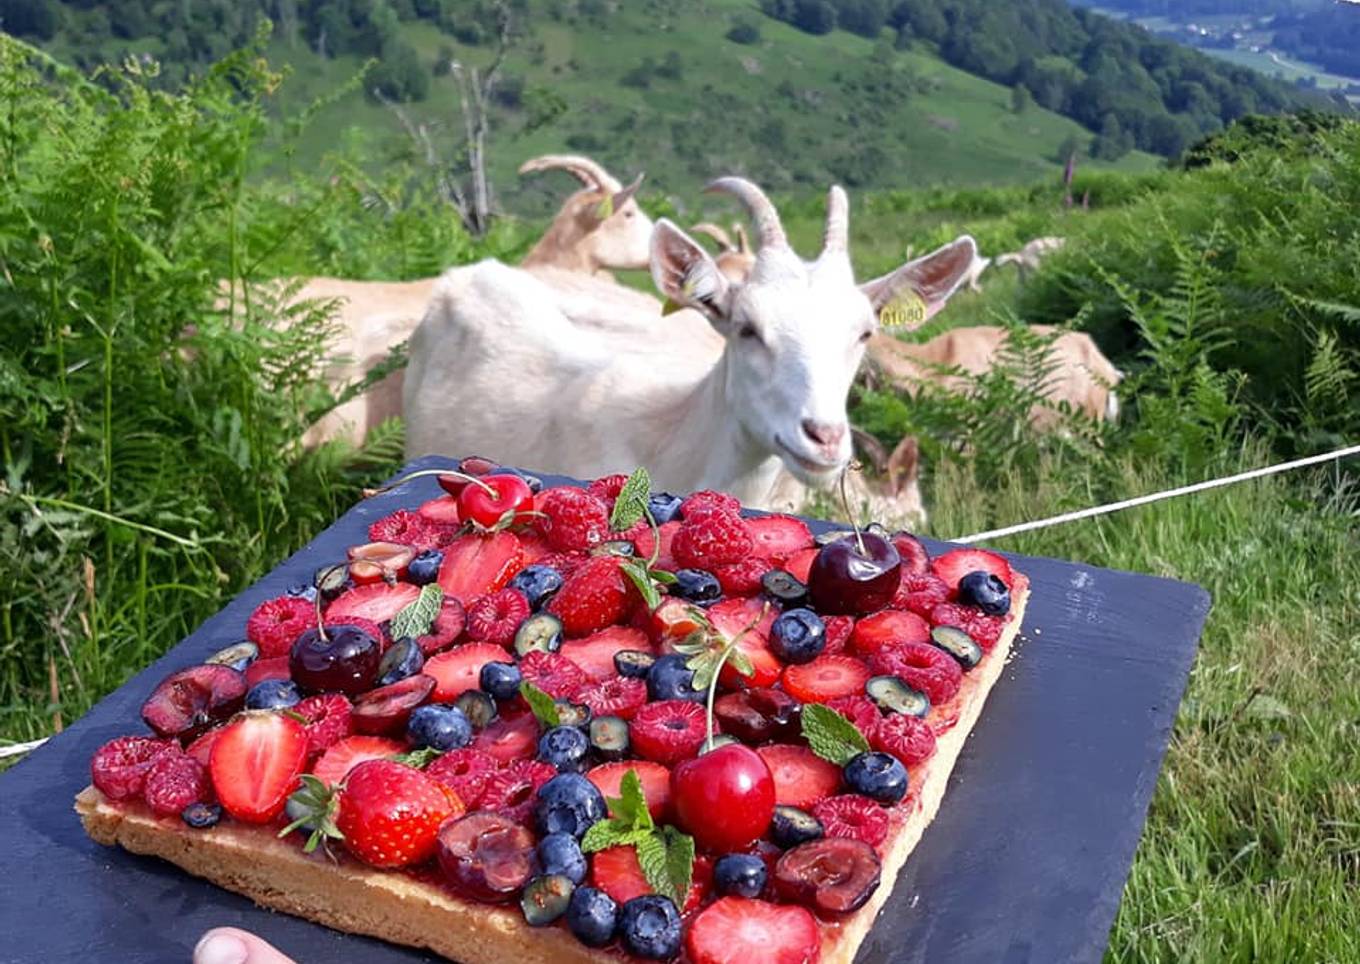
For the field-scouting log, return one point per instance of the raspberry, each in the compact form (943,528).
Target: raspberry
(908,738)
(574,519)
(466,773)
(714,539)
(607,488)
(554,674)
(563,562)
(275,623)
(668,731)
(118,768)
(838,630)
(358,622)
(174,781)
(402,526)
(619,696)
(594,595)
(920,592)
(328,721)
(923,666)
(513,790)
(915,556)
(742,578)
(859,710)
(435,536)
(984,629)
(493,618)
(705,501)
(448,626)
(853,816)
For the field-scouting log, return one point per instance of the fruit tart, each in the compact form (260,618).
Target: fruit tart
(576,724)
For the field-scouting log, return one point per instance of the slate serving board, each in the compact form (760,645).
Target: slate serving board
(1025,862)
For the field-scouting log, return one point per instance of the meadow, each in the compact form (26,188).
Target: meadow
(144,485)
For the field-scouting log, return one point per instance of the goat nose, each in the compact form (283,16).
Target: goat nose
(826,434)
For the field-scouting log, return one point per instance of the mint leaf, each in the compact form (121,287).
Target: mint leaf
(541,704)
(419,759)
(418,618)
(679,862)
(705,667)
(601,836)
(637,571)
(830,735)
(630,821)
(651,854)
(664,577)
(631,504)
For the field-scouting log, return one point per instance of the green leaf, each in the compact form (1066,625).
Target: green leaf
(630,807)
(741,662)
(418,618)
(601,836)
(419,759)
(664,577)
(679,862)
(541,704)
(652,854)
(631,504)
(705,667)
(636,570)
(830,735)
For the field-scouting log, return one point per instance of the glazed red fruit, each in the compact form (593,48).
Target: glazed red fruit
(386,709)
(920,593)
(985,630)
(554,674)
(614,697)
(509,496)
(275,623)
(724,798)
(174,781)
(888,626)
(607,488)
(390,814)
(713,539)
(336,762)
(748,621)
(922,666)
(457,670)
(908,738)
(255,765)
(915,556)
(513,790)
(573,519)
(509,738)
(616,871)
(737,930)
(800,564)
(475,565)
(328,719)
(533,547)
(655,780)
(344,660)
(801,777)
(858,709)
(779,536)
(845,581)
(954,565)
(667,731)
(377,603)
(595,654)
(465,772)
(826,678)
(439,537)
(486,856)
(757,715)
(705,501)
(118,768)
(674,619)
(742,578)
(644,544)
(448,626)
(442,511)
(201,748)
(833,876)
(186,703)
(402,526)
(838,630)
(494,617)
(593,595)
(380,561)
(853,816)
(273,667)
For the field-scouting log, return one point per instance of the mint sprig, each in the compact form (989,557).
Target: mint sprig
(665,855)
(540,704)
(417,619)
(831,736)
(631,504)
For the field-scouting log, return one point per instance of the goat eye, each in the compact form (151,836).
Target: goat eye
(748,331)
(865,336)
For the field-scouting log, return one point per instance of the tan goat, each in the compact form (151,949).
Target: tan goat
(735,259)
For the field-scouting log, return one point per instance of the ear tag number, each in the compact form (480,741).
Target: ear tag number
(906,310)
(606,209)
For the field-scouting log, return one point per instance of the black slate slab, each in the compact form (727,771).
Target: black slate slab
(1024,865)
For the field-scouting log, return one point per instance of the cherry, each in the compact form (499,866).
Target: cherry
(386,709)
(379,561)
(344,660)
(852,579)
(725,798)
(833,876)
(486,855)
(454,482)
(507,493)
(186,703)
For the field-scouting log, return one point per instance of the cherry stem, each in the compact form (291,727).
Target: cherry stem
(845,503)
(717,670)
(471,479)
(656,538)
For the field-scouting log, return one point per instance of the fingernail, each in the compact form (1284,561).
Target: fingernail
(221,949)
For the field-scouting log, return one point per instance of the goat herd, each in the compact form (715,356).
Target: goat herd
(739,382)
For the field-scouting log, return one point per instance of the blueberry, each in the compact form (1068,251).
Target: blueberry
(958,644)
(559,853)
(698,586)
(650,927)
(478,707)
(332,580)
(670,679)
(238,655)
(402,659)
(424,568)
(565,747)
(740,874)
(545,899)
(300,590)
(609,737)
(663,506)
(986,591)
(273,694)
(784,588)
(892,695)
(791,827)
(568,803)
(798,636)
(201,815)
(592,916)
(877,776)
(540,631)
(439,727)
(501,680)
(573,714)
(633,663)
(538,583)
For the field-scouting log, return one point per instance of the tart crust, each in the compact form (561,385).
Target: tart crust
(404,909)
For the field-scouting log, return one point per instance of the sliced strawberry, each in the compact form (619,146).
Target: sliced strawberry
(442,511)
(743,578)
(379,561)
(673,620)
(738,930)
(750,619)
(616,871)
(655,779)
(801,777)
(201,749)
(344,756)
(954,565)
(533,547)
(800,563)
(643,543)
(826,678)
(595,653)
(509,738)
(267,667)
(915,556)
(778,537)
(377,603)
(458,670)
(255,763)
(872,633)
(478,564)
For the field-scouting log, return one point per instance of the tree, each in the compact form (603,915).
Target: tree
(1112,142)
(1021,99)
(29,18)
(814,16)
(744,31)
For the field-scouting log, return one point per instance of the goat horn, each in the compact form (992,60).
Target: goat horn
(837,222)
(714,232)
(588,172)
(769,231)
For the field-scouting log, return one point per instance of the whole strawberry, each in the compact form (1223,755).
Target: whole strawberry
(594,595)
(390,813)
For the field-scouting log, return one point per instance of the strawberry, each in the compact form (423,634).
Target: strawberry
(493,618)
(509,738)
(888,626)
(826,678)
(201,748)
(554,674)
(348,753)
(390,813)
(800,563)
(920,592)
(644,542)
(448,626)
(458,670)
(915,556)
(908,738)
(733,930)
(734,618)
(328,721)
(922,666)
(118,768)
(255,764)
(616,871)
(801,777)
(850,815)
(673,620)
(275,623)
(402,526)
(615,696)
(595,654)
(777,537)
(174,781)
(465,772)
(379,562)
(513,790)
(954,565)
(667,731)
(478,564)
(377,603)
(838,630)
(742,578)
(533,547)
(573,519)
(607,488)
(655,779)
(859,710)
(984,629)
(594,595)
(268,667)
(713,539)
(705,501)
(442,511)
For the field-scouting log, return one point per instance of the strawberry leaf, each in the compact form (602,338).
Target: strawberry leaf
(631,504)
(418,618)
(541,704)
(636,570)
(741,662)
(830,735)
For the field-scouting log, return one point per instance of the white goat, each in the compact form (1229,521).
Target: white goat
(1027,259)
(497,367)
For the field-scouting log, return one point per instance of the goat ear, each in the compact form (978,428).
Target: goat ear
(915,292)
(904,464)
(685,273)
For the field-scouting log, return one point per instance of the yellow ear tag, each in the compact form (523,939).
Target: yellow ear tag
(606,209)
(671,307)
(907,310)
